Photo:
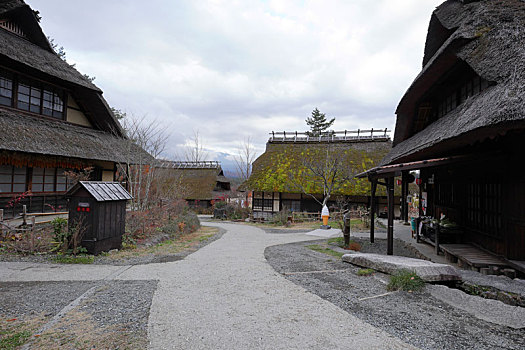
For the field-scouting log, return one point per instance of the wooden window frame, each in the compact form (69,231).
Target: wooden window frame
(12,182)
(59,95)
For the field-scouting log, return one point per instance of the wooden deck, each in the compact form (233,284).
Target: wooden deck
(518,265)
(472,256)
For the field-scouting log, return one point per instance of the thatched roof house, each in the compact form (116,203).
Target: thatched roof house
(281,178)
(476,41)
(462,124)
(52,117)
(199,182)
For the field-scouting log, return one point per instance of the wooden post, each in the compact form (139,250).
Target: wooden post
(1,214)
(390,230)
(24,215)
(404,195)
(372,209)
(346,231)
(436,240)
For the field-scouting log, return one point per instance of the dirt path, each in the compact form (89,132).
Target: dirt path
(224,296)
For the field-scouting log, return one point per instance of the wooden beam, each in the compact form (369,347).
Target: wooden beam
(390,229)
(404,195)
(372,210)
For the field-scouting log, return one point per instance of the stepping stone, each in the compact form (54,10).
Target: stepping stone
(428,271)
(331,233)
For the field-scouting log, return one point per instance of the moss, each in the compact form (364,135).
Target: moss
(282,167)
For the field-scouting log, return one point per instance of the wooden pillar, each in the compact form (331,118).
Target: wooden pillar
(404,195)
(372,209)
(390,229)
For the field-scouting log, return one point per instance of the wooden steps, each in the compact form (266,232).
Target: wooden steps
(467,254)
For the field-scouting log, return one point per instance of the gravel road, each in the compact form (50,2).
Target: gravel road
(226,296)
(416,318)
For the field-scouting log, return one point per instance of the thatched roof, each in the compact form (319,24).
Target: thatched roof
(282,167)
(33,55)
(38,135)
(489,36)
(23,15)
(198,180)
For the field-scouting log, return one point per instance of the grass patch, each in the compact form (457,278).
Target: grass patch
(405,280)
(324,250)
(74,259)
(365,272)
(171,246)
(340,242)
(14,340)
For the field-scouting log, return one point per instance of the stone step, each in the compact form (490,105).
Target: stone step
(427,270)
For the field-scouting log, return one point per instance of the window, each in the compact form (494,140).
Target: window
(258,204)
(6,88)
(37,100)
(52,104)
(12,179)
(43,180)
(31,96)
(62,182)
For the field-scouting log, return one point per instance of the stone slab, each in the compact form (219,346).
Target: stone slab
(331,233)
(428,271)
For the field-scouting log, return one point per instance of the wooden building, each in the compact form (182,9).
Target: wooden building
(198,182)
(280,178)
(462,124)
(52,118)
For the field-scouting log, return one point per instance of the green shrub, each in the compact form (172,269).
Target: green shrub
(365,272)
(220,204)
(405,280)
(75,259)
(327,251)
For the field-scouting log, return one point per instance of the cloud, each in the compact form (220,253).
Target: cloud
(233,69)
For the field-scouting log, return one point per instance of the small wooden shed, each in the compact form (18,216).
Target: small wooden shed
(98,208)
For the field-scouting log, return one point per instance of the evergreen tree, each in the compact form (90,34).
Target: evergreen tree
(317,123)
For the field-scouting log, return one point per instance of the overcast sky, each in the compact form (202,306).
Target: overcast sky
(230,69)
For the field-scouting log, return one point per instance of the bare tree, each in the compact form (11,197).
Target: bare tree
(244,159)
(325,171)
(140,167)
(195,151)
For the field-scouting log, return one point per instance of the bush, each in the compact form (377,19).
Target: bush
(365,272)
(230,211)
(68,239)
(281,218)
(405,280)
(184,223)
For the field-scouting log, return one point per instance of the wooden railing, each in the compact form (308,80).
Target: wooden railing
(330,136)
(204,164)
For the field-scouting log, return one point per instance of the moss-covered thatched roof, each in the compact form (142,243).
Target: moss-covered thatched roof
(489,36)
(284,166)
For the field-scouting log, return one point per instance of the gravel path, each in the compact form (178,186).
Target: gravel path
(226,296)
(416,318)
